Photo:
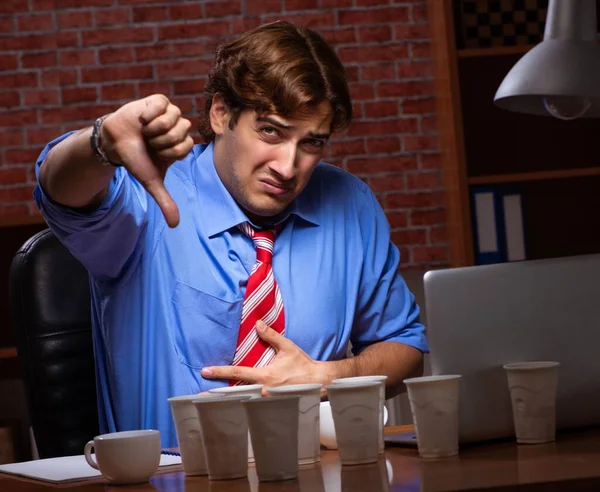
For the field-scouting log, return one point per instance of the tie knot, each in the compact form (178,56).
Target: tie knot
(263,241)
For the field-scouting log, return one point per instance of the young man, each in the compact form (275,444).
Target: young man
(249,260)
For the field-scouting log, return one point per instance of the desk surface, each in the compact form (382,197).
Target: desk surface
(571,463)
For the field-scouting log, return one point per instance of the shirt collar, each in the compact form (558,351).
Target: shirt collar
(220,210)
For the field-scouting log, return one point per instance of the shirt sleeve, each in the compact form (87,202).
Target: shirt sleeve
(103,240)
(386,309)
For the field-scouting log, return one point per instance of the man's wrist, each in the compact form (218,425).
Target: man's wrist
(327,371)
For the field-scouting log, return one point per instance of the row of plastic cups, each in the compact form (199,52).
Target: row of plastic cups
(434,402)
(280,431)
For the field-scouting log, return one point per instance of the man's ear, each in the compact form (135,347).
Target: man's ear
(219,115)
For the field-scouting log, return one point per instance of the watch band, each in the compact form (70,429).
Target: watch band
(96,143)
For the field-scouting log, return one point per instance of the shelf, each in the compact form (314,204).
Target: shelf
(494,51)
(534,176)
(8,353)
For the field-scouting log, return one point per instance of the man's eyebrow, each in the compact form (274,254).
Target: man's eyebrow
(283,126)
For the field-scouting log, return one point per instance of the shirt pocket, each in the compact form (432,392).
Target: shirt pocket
(206,327)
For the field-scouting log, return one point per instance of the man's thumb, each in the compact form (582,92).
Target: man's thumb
(157,189)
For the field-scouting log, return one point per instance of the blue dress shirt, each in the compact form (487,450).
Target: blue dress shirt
(167,302)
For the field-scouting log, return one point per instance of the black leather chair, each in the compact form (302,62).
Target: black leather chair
(50,304)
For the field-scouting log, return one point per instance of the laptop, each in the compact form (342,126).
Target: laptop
(481,317)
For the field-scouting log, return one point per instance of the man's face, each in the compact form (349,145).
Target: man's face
(267,160)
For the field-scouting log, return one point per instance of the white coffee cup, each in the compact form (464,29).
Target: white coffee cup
(125,457)
(327,427)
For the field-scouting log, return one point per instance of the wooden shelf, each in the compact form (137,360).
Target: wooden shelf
(534,176)
(8,353)
(494,51)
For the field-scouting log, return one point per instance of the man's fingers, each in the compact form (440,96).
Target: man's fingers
(157,189)
(269,335)
(174,136)
(162,123)
(154,106)
(176,152)
(239,373)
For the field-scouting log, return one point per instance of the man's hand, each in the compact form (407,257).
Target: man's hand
(147,136)
(291,365)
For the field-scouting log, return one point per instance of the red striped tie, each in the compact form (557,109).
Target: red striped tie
(262,302)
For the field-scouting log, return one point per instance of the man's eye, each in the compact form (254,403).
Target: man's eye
(269,130)
(314,143)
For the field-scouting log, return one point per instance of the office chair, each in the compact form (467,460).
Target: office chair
(50,305)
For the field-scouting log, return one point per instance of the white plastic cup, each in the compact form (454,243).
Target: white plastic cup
(225,435)
(251,390)
(381,379)
(309,449)
(434,404)
(273,426)
(533,387)
(355,409)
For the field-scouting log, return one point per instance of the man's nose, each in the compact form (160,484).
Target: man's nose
(285,162)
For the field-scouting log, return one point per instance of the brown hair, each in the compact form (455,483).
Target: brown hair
(277,68)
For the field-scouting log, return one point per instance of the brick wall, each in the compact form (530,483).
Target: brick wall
(65,62)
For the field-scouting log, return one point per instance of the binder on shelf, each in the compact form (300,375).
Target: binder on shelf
(498,229)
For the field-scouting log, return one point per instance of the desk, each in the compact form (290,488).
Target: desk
(572,463)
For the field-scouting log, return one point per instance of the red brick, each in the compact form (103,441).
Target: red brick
(374,34)
(120,72)
(75,113)
(427,217)
(118,92)
(150,14)
(418,106)
(424,181)
(41,136)
(430,161)
(11,138)
(28,42)
(183,103)
(374,16)
(153,52)
(79,94)
(188,68)
(378,72)
(381,164)
(20,194)
(301,4)
(335,3)
(373,53)
(9,62)
(310,20)
(262,7)
(410,31)
(339,36)
(191,86)
(244,24)
(48,97)
(414,200)
(429,124)
(415,69)
(67,39)
(39,22)
(66,4)
(39,60)
(13,6)
(405,89)
(14,211)
(41,5)
(419,13)
(60,77)
(397,219)
(9,99)
(75,18)
(423,142)
(124,35)
(378,145)
(221,9)
(149,88)
(192,11)
(116,55)
(410,236)
(77,57)
(13,175)
(424,254)
(351,74)
(381,184)
(346,148)
(386,127)
(18,80)
(112,17)
(381,109)
(6,25)
(405,255)
(361,92)
(132,2)
(184,50)
(420,50)
(193,30)
(438,235)
(22,156)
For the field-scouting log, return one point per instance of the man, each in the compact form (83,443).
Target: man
(187,265)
